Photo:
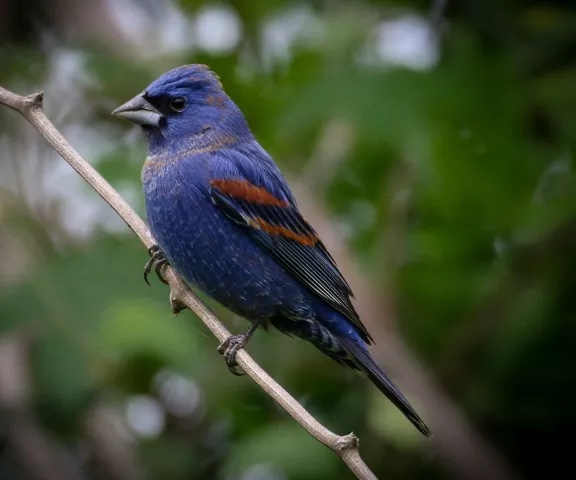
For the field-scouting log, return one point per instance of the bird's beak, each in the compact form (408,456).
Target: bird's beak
(139,111)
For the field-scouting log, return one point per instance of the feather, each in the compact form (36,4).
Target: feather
(278,226)
(382,382)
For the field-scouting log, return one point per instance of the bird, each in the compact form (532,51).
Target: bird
(223,216)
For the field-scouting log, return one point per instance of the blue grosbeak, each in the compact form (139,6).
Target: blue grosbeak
(224,217)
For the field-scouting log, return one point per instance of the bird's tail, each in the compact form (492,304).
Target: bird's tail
(383,383)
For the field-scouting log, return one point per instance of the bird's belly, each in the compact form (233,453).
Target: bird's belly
(216,256)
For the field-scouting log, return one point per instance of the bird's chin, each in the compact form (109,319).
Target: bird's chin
(155,136)
(150,129)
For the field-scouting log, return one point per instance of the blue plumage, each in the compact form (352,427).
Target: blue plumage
(225,219)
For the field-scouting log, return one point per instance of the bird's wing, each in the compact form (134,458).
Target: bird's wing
(276,225)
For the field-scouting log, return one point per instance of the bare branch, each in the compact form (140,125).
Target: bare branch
(346,447)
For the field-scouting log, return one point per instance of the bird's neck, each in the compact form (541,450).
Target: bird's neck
(208,129)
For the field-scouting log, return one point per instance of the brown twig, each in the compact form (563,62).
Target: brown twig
(181,296)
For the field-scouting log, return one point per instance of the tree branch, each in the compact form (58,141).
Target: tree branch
(346,447)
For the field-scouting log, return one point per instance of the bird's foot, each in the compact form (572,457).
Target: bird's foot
(229,348)
(157,260)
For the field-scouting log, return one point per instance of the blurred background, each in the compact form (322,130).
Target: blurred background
(431,145)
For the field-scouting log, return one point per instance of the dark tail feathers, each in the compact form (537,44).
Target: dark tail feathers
(379,378)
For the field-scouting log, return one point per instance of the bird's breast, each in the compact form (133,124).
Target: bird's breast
(178,205)
(212,252)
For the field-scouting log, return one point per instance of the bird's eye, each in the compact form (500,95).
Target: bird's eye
(178,104)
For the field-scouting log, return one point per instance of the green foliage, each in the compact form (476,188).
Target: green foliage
(454,190)
(282,445)
(144,339)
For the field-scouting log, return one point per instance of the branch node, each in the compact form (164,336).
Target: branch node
(34,100)
(176,304)
(347,442)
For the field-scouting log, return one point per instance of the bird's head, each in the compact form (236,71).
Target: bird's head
(181,104)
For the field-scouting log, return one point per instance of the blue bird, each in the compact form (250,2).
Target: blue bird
(225,219)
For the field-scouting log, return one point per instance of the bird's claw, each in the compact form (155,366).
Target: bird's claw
(157,260)
(229,348)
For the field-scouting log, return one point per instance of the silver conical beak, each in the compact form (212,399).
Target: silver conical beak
(139,111)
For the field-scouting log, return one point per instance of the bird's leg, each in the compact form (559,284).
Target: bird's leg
(157,260)
(229,347)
